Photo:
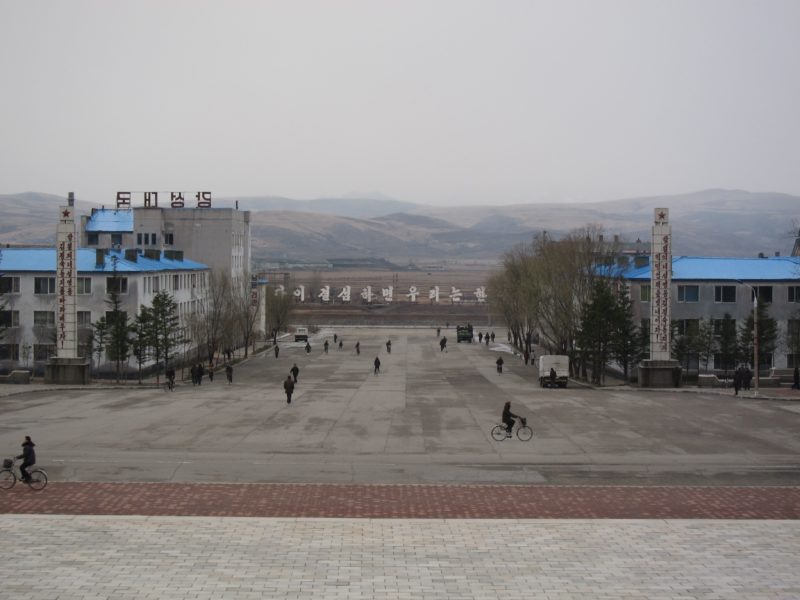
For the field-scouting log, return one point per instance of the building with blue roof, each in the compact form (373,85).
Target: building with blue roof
(711,287)
(28,287)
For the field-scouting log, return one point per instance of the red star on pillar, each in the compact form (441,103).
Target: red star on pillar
(65,214)
(662,215)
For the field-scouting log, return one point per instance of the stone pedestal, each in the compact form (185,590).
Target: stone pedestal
(67,370)
(659,374)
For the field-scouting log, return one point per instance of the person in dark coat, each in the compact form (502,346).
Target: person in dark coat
(796,385)
(28,457)
(277,350)
(335,337)
(480,337)
(358,348)
(308,348)
(229,373)
(737,381)
(389,347)
(499,364)
(295,371)
(492,337)
(325,346)
(341,343)
(438,331)
(210,373)
(200,372)
(288,387)
(508,418)
(193,371)
(747,376)
(443,344)
(526,355)
(486,338)
(377,365)
(553,376)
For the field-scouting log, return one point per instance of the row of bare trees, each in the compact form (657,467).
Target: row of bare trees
(544,286)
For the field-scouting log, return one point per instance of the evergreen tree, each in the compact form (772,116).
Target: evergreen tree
(626,340)
(166,334)
(99,338)
(119,329)
(706,342)
(727,343)
(597,326)
(767,336)
(142,341)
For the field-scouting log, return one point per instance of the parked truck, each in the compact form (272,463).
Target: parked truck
(301,334)
(560,363)
(464,333)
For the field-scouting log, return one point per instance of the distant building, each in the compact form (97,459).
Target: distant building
(708,288)
(28,288)
(219,237)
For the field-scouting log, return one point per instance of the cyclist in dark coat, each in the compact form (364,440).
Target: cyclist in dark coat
(28,457)
(508,418)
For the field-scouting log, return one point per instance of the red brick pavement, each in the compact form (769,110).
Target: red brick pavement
(405,501)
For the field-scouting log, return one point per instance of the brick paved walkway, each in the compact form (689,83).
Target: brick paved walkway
(201,558)
(405,501)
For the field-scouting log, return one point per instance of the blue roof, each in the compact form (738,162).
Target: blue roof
(689,268)
(111,221)
(44,260)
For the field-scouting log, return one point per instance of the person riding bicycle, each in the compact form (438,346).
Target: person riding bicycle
(28,457)
(508,418)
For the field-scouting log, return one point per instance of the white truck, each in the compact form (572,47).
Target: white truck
(560,364)
(301,334)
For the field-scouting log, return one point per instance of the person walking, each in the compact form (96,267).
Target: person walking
(527,356)
(493,337)
(499,364)
(438,331)
(229,373)
(747,377)
(210,373)
(28,457)
(377,365)
(480,337)
(737,381)
(277,350)
(288,387)
(295,371)
(486,338)
(335,337)
(308,348)
(200,372)
(443,344)
(341,343)
(325,346)
(193,371)
(553,376)
(389,347)
(358,348)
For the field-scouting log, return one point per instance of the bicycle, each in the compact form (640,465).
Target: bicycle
(524,433)
(169,384)
(37,480)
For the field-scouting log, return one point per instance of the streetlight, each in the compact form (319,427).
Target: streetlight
(755,330)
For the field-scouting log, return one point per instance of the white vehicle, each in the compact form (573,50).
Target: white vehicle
(301,334)
(560,364)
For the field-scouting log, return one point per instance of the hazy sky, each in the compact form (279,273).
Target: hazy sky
(448,102)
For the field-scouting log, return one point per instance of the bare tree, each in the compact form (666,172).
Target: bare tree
(245,304)
(277,307)
(212,322)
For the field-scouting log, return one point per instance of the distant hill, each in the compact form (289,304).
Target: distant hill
(709,222)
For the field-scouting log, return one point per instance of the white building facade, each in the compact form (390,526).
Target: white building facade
(28,294)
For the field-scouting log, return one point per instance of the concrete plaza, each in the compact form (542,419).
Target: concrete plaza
(411,441)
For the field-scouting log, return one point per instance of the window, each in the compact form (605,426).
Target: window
(84,285)
(155,284)
(44,318)
(92,239)
(169,240)
(138,239)
(9,285)
(176,282)
(724,293)
(686,326)
(9,351)
(764,293)
(84,318)
(9,318)
(688,293)
(794,293)
(43,351)
(116,239)
(116,285)
(44,285)
(153,239)
(792,361)
(644,292)
(719,325)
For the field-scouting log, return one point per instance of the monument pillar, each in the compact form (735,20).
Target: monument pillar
(660,370)
(66,366)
